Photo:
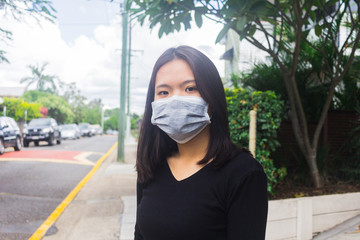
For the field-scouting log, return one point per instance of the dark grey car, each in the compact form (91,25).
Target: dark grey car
(42,129)
(10,135)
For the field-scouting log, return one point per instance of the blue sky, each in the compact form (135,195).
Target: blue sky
(81,17)
(83,46)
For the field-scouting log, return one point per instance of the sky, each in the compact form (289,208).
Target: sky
(83,45)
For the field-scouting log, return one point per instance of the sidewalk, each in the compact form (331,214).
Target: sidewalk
(105,207)
(348,230)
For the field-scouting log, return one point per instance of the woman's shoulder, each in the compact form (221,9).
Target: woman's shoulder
(239,173)
(241,165)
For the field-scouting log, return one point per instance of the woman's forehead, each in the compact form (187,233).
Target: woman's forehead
(176,70)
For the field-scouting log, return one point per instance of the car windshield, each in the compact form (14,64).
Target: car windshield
(40,122)
(83,126)
(68,127)
(2,122)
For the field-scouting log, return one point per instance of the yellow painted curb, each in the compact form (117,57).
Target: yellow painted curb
(41,231)
(64,161)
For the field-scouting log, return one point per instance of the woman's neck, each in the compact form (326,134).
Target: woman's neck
(196,149)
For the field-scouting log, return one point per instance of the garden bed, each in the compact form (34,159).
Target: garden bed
(288,189)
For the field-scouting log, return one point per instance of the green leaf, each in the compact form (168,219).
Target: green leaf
(161,31)
(198,19)
(186,21)
(317,3)
(252,30)
(318,30)
(177,25)
(240,24)
(224,31)
(141,19)
(154,3)
(166,27)
(202,10)
(306,33)
(312,15)
(271,21)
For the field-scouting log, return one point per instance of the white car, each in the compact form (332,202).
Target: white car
(85,129)
(70,131)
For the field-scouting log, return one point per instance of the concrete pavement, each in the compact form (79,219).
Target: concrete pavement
(348,230)
(105,207)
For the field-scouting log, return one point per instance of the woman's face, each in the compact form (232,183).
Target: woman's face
(175,78)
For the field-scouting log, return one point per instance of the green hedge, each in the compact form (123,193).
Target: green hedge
(15,108)
(269,114)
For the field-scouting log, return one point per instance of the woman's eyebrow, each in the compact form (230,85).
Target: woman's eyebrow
(187,82)
(162,85)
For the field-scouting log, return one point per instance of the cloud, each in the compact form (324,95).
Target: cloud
(93,62)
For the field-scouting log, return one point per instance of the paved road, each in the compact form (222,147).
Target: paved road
(34,181)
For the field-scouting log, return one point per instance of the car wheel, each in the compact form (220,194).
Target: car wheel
(58,141)
(26,143)
(2,147)
(51,140)
(36,143)
(18,144)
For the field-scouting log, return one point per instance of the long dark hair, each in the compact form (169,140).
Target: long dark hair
(155,146)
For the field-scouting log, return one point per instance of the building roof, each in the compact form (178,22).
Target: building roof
(11,91)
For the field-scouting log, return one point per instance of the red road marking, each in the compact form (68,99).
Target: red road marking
(44,154)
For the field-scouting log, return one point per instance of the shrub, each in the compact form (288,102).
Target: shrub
(269,109)
(347,159)
(16,107)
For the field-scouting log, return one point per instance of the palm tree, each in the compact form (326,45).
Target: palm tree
(40,79)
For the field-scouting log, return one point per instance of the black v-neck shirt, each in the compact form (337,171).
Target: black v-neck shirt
(229,203)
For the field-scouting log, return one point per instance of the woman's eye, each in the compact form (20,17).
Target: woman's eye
(190,89)
(163,93)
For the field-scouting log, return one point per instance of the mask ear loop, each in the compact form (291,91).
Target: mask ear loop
(210,114)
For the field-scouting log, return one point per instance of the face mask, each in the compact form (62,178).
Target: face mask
(181,118)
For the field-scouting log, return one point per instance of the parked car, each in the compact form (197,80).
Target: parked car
(70,131)
(96,129)
(85,129)
(10,135)
(92,130)
(111,132)
(42,129)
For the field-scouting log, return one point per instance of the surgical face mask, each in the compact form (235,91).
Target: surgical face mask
(180,117)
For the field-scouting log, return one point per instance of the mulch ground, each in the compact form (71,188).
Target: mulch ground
(291,190)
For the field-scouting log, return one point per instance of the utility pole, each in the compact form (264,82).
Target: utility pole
(102,118)
(128,121)
(128,75)
(122,118)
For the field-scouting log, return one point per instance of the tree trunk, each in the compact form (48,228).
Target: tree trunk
(308,152)
(300,128)
(314,172)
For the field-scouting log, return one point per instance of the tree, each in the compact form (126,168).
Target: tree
(112,119)
(285,25)
(77,102)
(57,107)
(78,108)
(44,82)
(267,76)
(112,123)
(92,113)
(18,9)
(134,121)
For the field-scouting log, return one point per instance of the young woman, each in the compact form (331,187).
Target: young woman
(193,182)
